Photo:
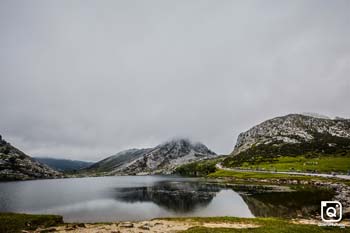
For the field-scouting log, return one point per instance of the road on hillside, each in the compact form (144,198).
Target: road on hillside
(345,177)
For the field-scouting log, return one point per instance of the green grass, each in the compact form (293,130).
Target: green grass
(267,225)
(12,223)
(244,176)
(324,164)
(256,175)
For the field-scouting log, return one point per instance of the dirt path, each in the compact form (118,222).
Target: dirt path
(152,226)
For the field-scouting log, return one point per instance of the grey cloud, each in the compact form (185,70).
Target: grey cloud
(85,79)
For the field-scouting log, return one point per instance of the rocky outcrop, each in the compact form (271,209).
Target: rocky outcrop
(16,165)
(162,159)
(294,134)
(292,129)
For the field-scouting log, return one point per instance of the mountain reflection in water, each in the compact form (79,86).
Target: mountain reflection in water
(304,202)
(180,197)
(262,201)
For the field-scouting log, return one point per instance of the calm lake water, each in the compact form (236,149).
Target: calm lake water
(144,197)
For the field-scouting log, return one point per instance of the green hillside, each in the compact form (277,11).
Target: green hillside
(325,153)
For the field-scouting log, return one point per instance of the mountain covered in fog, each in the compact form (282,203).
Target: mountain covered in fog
(290,135)
(16,165)
(64,165)
(162,159)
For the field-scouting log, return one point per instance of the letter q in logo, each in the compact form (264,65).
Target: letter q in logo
(331,211)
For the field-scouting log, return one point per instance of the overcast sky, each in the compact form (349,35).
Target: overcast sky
(86,79)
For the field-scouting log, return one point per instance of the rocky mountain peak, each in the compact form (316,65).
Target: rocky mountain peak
(185,145)
(292,129)
(163,158)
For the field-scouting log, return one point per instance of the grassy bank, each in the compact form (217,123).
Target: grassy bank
(245,176)
(12,223)
(255,175)
(265,225)
(325,164)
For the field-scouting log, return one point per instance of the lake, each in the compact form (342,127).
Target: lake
(121,198)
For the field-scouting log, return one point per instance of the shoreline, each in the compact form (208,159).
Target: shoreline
(25,223)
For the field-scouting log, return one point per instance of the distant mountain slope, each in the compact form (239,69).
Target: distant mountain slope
(15,165)
(64,165)
(118,161)
(290,135)
(162,159)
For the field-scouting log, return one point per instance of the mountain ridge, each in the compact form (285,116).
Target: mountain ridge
(161,159)
(64,165)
